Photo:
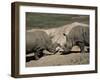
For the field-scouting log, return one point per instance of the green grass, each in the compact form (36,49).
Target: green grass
(44,20)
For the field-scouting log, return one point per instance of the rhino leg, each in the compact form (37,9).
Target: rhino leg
(36,55)
(81,45)
(88,50)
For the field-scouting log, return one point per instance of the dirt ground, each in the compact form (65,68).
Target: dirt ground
(74,58)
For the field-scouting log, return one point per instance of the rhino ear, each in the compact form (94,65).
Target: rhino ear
(64,34)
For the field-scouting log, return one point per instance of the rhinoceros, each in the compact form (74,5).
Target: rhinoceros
(38,41)
(77,36)
(56,34)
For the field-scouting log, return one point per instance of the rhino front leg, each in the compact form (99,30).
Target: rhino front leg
(36,55)
(82,48)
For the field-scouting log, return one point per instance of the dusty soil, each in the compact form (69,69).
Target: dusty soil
(74,58)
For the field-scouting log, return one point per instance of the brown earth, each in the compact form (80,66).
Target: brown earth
(74,58)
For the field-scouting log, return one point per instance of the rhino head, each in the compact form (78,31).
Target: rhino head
(68,45)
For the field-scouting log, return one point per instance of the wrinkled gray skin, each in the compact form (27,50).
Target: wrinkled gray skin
(77,36)
(38,41)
